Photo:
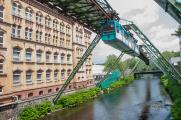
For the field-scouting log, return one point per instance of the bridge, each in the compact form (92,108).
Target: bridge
(94,14)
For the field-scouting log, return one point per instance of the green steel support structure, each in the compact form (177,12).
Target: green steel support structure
(152,51)
(78,66)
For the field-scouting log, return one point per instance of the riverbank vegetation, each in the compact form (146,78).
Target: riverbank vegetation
(174,89)
(35,112)
(122,82)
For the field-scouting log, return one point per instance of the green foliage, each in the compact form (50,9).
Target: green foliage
(28,113)
(74,99)
(175,91)
(176,109)
(78,98)
(168,55)
(43,108)
(122,82)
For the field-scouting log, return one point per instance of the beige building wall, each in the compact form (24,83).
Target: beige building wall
(62,43)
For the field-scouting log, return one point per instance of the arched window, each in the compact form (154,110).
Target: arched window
(56,75)
(16,8)
(68,72)
(1,38)
(28,13)
(68,29)
(55,57)
(48,56)
(55,24)
(16,76)
(62,25)
(1,65)
(16,54)
(62,58)
(30,95)
(47,21)
(29,76)
(28,54)
(68,58)
(41,93)
(1,12)
(39,75)
(57,89)
(39,17)
(63,74)
(48,75)
(38,56)
(50,90)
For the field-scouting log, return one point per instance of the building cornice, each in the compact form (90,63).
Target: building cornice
(47,9)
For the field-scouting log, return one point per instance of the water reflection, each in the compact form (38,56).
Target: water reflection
(142,100)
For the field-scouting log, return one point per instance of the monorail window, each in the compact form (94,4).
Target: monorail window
(108,28)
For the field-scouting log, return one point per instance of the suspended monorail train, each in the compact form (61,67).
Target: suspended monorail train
(118,37)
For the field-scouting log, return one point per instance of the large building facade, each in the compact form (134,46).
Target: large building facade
(39,47)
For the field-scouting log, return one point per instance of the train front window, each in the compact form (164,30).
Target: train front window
(108,28)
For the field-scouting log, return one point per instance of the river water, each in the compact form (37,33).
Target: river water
(144,99)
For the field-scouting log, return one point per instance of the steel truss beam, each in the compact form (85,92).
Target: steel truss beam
(89,13)
(78,66)
(156,56)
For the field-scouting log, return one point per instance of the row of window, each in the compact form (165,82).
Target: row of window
(17,8)
(16,32)
(57,58)
(39,75)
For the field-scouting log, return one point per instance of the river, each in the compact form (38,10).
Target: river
(144,99)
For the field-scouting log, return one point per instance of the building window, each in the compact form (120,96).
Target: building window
(50,90)
(68,72)
(16,54)
(68,58)
(1,12)
(39,18)
(56,75)
(38,56)
(55,24)
(68,30)
(1,90)
(48,57)
(30,95)
(1,66)
(56,57)
(48,75)
(16,9)
(28,55)
(29,76)
(39,75)
(63,74)
(1,38)
(57,89)
(62,58)
(41,93)
(28,14)
(16,31)
(28,34)
(16,77)
(38,36)
(62,27)
(47,21)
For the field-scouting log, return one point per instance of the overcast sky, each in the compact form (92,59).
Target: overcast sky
(151,19)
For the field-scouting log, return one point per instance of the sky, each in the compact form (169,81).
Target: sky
(150,18)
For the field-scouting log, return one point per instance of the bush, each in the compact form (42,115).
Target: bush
(176,109)
(78,98)
(174,89)
(43,108)
(28,113)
